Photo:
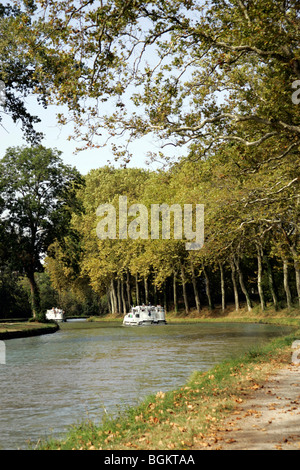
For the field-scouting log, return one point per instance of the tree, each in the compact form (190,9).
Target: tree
(223,70)
(245,236)
(37,194)
(106,262)
(17,69)
(215,76)
(14,299)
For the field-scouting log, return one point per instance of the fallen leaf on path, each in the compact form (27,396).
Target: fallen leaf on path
(255,387)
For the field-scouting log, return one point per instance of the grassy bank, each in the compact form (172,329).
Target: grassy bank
(10,330)
(182,418)
(281,317)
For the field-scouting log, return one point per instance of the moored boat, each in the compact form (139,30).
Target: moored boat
(55,314)
(145,315)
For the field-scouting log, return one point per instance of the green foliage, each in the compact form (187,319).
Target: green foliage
(201,73)
(233,231)
(17,70)
(14,298)
(37,196)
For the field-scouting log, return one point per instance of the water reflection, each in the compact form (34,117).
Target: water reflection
(53,381)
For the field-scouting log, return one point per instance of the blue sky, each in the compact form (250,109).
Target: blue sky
(57,137)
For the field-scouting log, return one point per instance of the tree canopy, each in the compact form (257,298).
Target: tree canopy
(17,71)
(250,254)
(198,73)
(37,196)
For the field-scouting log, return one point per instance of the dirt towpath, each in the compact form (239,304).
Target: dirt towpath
(269,419)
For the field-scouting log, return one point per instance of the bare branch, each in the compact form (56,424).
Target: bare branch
(271,159)
(267,199)
(246,142)
(244,9)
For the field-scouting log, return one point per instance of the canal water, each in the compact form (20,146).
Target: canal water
(87,369)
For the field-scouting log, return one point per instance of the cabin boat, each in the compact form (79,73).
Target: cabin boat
(55,314)
(145,315)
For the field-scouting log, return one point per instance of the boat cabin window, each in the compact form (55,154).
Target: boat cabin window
(137,315)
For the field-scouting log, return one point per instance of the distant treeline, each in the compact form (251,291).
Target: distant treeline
(249,256)
(250,253)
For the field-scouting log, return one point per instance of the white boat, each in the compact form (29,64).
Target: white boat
(55,314)
(145,315)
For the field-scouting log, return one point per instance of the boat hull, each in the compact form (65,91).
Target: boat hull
(56,315)
(145,316)
(137,323)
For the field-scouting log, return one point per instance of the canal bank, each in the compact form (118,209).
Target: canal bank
(267,418)
(190,417)
(290,317)
(14,330)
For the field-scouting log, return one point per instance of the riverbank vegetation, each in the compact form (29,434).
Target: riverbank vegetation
(37,197)
(88,276)
(239,262)
(284,316)
(229,267)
